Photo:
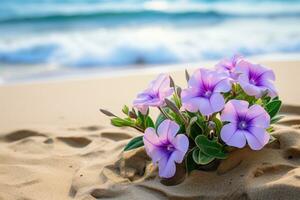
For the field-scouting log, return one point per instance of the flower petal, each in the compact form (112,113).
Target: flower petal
(223,86)
(162,81)
(258,116)
(217,102)
(231,138)
(167,130)
(143,109)
(152,143)
(181,143)
(227,131)
(205,107)
(243,67)
(165,92)
(167,167)
(268,85)
(195,79)
(178,156)
(189,93)
(191,105)
(232,109)
(250,89)
(257,138)
(268,75)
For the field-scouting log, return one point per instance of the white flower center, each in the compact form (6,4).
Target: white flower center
(170,147)
(253,81)
(207,93)
(242,125)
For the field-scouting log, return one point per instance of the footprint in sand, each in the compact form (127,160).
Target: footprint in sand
(116,136)
(87,128)
(20,134)
(77,142)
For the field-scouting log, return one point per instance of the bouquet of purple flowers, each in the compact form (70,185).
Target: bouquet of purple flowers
(229,107)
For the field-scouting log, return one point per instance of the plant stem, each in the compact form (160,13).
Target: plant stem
(164,113)
(234,88)
(137,128)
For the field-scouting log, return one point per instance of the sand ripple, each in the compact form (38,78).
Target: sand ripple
(88,163)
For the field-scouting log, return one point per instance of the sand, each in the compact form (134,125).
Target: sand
(54,144)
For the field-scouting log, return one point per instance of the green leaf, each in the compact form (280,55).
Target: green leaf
(121,122)
(172,106)
(190,163)
(195,131)
(219,125)
(107,113)
(159,120)
(125,110)
(134,143)
(273,107)
(172,84)
(266,99)
(189,127)
(138,122)
(176,97)
(210,147)
(201,158)
(149,122)
(276,119)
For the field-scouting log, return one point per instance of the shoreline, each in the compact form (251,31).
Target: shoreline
(70,74)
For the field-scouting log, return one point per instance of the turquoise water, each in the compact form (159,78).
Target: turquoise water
(44,36)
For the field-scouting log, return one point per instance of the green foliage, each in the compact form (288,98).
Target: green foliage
(219,125)
(145,121)
(176,111)
(201,158)
(149,122)
(121,122)
(210,147)
(107,113)
(240,94)
(125,110)
(134,143)
(190,124)
(190,164)
(273,107)
(159,119)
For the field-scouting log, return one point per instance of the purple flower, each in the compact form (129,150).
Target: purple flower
(165,147)
(228,66)
(204,92)
(256,79)
(155,94)
(245,124)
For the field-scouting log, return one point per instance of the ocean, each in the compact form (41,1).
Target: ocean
(41,38)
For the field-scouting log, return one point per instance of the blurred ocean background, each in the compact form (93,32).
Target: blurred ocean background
(42,38)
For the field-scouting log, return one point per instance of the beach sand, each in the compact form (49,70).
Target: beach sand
(55,144)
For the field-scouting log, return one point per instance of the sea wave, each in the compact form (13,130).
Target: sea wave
(152,44)
(142,15)
(14,11)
